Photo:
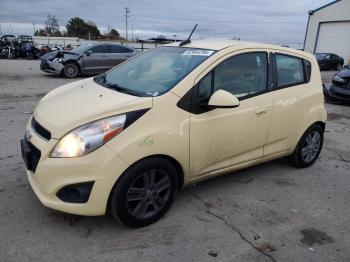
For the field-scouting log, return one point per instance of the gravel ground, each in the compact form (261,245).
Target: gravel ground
(271,212)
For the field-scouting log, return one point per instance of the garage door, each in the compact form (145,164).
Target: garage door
(335,38)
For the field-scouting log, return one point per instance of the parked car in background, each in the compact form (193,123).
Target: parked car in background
(7,46)
(127,140)
(86,59)
(329,61)
(339,91)
(24,39)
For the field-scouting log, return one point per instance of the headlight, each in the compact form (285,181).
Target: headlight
(338,79)
(57,59)
(89,137)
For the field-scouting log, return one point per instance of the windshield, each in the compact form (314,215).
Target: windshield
(25,38)
(10,38)
(155,72)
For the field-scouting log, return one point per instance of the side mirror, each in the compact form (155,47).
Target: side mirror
(88,52)
(223,99)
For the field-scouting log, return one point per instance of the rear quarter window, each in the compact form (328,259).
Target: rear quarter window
(307,67)
(120,49)
(292,71)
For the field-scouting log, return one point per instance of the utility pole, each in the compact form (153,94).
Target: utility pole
(127,12)
(33,27)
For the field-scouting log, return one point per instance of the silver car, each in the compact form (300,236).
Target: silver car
(89,59)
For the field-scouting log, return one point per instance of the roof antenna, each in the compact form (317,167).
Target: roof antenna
(188,40)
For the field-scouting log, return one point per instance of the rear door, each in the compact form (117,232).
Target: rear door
(291,101)
(118,55)
(96,61)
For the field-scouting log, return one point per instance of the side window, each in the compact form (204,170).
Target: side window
(242,75)
(120,49)
(99,49)
(290,70)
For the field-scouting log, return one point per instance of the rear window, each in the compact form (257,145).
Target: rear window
(292,70)
(120,49)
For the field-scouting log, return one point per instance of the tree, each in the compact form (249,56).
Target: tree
(114,33)
(40,32)
(51,25)
(77,27)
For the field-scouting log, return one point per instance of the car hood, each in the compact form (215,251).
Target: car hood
(72,105)
(344,73)
(63,54)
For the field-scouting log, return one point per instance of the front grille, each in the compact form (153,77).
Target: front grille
(40,130)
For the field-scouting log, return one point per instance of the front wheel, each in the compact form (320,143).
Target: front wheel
(309,147)
(144,193)
(71,70)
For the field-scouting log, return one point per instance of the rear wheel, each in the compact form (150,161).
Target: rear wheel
(309,147)
(71,70)
(144,193)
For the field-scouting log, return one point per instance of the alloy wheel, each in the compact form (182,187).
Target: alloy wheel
(311,146)
(148,193)
(70,70)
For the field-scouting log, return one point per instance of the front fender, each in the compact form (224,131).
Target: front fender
(163,130)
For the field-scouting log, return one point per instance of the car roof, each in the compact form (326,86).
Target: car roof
(105,43)
(219,44)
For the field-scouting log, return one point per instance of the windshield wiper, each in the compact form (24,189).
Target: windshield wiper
(122,89)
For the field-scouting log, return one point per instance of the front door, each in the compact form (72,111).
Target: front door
(96,61)
(222,138)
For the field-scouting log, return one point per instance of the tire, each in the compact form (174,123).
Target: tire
(71,70)
(144,193)
(339,66)
(305,154)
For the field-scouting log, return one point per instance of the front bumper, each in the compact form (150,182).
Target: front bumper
(337,94)
(51,66)
(102,167)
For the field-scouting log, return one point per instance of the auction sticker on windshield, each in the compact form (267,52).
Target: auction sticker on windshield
(198,52)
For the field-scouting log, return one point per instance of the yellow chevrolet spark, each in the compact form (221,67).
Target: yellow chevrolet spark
(127,140)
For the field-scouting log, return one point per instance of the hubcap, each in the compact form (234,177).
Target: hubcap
(148,193)
(311,146)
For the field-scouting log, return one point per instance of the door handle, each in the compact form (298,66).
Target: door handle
(260,111)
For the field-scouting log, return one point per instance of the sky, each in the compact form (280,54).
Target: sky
(269,21)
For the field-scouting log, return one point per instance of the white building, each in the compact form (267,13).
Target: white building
(328,30)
